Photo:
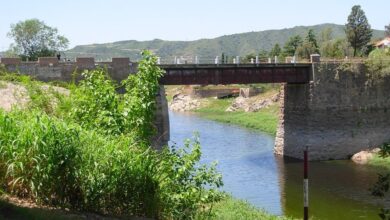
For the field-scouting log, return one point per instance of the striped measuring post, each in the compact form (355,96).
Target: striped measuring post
(305,185)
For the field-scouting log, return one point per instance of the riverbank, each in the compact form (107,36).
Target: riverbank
(263,119)
(228,208)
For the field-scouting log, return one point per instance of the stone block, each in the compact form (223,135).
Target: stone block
(315,58)
(120,61)
(48,61)
(86,62)
(10,61)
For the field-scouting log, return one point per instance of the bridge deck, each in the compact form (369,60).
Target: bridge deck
(189,74)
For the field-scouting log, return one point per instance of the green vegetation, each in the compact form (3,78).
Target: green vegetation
(378,62)
(309,45)
(379,161)
(382,159)
(358,30)
(231,45)
(90,154)
(33,39)
(381,187)
(264,120)
(232,209)
(291,45)
(85,151)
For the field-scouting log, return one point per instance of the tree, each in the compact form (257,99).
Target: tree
(249,57)
(387,30)
(309,46)
(276,51)
(326,35)
(358,30)
(33,38)
(263,54)
(291,45)
(338,48)
(311,39)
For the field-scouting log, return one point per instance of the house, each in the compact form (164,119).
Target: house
(383,43)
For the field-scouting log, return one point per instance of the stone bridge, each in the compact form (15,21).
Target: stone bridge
(334,109)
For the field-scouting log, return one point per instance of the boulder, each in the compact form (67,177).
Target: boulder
(364,156)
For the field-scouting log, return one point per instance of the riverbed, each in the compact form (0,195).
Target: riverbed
(337,189)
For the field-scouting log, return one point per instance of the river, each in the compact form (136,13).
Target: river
(337,189)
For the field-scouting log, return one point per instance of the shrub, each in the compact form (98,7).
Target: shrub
(378,62)
(91,153)
(60,163)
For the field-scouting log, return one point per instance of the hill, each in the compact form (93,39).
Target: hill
(232,45)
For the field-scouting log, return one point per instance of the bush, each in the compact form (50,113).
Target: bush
(62,164)
(91,153)
(378,62)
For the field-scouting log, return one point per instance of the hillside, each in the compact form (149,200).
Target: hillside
(232,45)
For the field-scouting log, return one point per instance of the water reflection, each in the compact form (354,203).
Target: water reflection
(245,158)
(338,189)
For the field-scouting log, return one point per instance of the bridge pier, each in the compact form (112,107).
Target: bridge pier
(341,112)
(161,121)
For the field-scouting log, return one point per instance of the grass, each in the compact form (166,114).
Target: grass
(228,208)
(265,120)
(379,161)
(55,160)
(231,208)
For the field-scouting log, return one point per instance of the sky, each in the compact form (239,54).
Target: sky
(102,21)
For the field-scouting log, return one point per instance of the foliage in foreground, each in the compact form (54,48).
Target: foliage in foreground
(230,208)
(381,187)
(89,153)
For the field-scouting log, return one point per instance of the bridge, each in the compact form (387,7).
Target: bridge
(205,74)
(333,112)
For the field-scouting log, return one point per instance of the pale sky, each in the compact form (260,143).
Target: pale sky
(102,21)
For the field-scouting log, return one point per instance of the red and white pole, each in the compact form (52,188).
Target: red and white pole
(305,185)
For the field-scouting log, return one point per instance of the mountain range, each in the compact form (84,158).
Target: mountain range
(231,45)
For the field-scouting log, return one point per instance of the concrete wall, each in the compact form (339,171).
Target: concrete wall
(342,111)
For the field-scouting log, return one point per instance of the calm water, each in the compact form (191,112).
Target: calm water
(338,189)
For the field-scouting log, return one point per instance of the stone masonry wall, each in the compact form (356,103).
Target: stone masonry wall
(49,69)
(342,111)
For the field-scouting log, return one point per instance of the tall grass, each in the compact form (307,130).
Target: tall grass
(90,152)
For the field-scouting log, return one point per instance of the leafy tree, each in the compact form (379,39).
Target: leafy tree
(311,39)
(326,35)
(387,30)
(309,45)
(33,38)
(276,51)
(358,30)
(263,54)
(336,48)
(291,45)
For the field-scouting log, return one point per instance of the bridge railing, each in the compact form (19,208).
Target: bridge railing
(224,60)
